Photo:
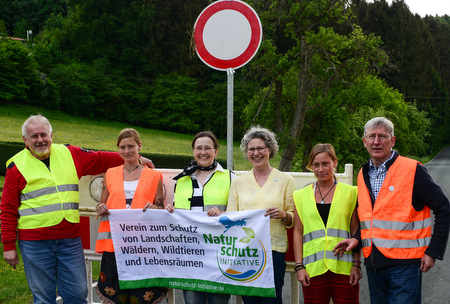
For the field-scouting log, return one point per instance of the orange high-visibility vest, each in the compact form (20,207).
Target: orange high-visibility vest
(145,193)
(393,225)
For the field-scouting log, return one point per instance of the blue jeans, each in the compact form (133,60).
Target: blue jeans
(279,268)
(51,264)
(395,285)
(196,297)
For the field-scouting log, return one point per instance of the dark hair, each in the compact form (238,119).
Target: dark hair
(127,133)
(206,134)
(320,148)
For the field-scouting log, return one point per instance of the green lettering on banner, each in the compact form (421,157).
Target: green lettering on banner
(221,240)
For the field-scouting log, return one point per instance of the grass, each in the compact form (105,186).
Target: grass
(14,287)
(102,134)
(20,293)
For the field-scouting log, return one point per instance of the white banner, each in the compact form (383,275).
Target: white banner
(230,253)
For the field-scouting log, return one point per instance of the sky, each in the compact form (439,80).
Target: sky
(428,7)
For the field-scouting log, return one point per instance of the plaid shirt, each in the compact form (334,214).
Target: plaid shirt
(377,175)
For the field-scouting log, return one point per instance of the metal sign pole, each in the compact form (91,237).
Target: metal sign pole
(230,87)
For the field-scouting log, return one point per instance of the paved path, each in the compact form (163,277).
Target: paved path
(436,282)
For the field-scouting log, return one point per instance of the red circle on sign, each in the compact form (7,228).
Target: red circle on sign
(255,40)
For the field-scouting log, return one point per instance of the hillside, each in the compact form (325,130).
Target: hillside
(102,134)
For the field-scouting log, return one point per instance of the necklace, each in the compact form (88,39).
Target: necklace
(323,197)
(131,170)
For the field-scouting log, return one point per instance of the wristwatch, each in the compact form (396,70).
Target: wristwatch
(285,219)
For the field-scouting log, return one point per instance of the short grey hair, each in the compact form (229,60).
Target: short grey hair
(379,121)
(33,119)
(262,133)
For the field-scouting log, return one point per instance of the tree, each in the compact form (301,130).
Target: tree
(23,15)
(20,78)
(310,47)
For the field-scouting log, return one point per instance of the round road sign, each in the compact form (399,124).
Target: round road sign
(227,34)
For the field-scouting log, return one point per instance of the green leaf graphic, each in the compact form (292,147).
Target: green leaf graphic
(250,233)
(245,240)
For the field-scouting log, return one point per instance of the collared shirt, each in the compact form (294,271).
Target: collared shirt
(247,194)
(377,175)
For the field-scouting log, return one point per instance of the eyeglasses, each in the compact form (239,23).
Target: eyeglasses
(259,149)
(381,137)
(206,149)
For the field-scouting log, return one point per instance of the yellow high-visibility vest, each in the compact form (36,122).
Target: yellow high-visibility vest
(318,239)
(50,195)
(215,191)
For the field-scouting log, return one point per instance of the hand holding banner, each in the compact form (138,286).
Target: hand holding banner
(230,253)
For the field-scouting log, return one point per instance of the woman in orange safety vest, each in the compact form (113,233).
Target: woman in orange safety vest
(130,186)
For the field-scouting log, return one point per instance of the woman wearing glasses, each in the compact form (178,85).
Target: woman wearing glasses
(203,186)
(265,187)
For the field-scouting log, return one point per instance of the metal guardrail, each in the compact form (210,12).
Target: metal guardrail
(90,256)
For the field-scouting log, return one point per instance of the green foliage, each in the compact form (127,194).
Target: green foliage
(75,91)
(312,49)
(15,68)
(3,28)
(7,150)
(20,78)
(418,49)
(133,61)
(175,104)
(23,15)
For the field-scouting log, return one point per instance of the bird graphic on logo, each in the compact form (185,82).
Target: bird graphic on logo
(224,220)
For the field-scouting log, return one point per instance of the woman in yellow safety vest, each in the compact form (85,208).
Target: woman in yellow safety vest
(325,213)
(130,186)
(203,186)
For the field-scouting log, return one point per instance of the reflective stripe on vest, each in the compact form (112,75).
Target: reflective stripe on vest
(215,191)
(107,234)
(393,225)
(318,240)
(48,208)
(321,233)
(48,190)
(318,256)
(145,193)
(49,196)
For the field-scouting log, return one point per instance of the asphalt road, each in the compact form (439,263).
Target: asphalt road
(436,282)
